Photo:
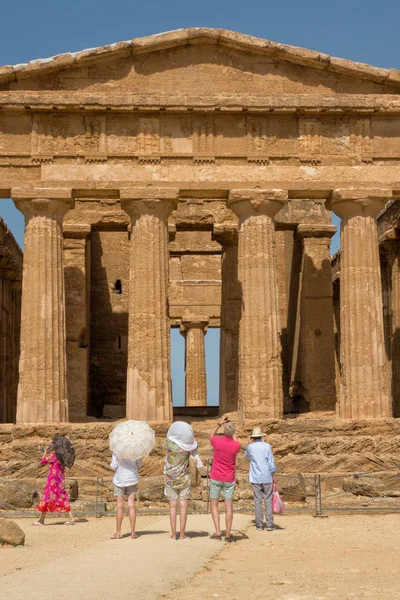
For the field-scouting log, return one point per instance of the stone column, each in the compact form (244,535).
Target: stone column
(42,394)
(227,236)
(260,366)
(316,355)
(149,393)
(391,246)
(364,390)
(77,295)
(396,330)
(193,328)
(10,306)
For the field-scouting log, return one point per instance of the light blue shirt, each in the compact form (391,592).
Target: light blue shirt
(262,463)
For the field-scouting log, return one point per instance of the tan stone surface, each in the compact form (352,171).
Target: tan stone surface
(364,392)
(227,235)
(11,533)
(42,395)
(10,319)
(76,250)
(149,394)
(260,366)
(194,328)
(316,355)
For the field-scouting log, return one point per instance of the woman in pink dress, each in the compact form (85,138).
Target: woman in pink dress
(55,496)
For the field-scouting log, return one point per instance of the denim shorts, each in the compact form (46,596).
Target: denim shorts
(216,487)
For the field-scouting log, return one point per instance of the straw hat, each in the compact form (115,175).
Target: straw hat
(256,433)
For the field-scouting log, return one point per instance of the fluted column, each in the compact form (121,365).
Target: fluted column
(227,236)
(260,366)
(149,395)
(42,394)
(193,328)
(364,390)
(391,246)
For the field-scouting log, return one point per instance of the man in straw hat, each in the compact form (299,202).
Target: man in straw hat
(261,476)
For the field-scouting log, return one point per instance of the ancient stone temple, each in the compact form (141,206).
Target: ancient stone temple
(187,180)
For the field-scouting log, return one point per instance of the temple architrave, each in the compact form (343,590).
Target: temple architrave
(187,180)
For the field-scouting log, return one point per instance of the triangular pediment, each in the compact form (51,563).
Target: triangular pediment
(202,61)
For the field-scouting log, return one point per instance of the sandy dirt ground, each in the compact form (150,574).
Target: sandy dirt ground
(343,557)
(82,562)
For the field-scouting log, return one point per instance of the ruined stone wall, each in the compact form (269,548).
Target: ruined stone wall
(10,320)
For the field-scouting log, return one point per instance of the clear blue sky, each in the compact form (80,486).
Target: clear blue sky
(361,30)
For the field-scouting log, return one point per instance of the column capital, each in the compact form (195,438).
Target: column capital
(315,230)
(347,203)
(250,203)
(149,201)
(194,322)
(48,202)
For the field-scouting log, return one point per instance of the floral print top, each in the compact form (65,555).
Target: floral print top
(176,466)
(55,497)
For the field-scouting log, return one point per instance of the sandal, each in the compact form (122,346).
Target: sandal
(215,536)
(69,523)
(38,524)
(185,539)
(116,536)
(134,536)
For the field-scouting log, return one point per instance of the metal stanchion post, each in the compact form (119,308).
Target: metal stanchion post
(316,495)
(320,495)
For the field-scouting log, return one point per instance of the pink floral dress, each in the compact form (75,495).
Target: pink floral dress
(55,497)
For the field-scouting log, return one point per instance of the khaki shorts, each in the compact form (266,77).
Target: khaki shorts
(216,487)
(129,490)
(174,493)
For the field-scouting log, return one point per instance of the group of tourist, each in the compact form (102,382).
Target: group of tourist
(179,446)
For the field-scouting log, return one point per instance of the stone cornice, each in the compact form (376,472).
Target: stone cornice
(270,103)
(199,35)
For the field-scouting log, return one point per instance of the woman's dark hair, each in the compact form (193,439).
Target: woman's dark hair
(64,450)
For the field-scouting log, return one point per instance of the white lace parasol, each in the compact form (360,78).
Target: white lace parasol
(132,440)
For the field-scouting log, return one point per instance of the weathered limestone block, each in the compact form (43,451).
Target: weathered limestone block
(364,390)
(149,395)
(17,495)
(151,488)
(11,534)
(42,393)
(193,328)
(260,367)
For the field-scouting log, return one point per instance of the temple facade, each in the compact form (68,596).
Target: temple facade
(188,180)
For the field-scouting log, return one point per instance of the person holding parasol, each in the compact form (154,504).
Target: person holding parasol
(129,442)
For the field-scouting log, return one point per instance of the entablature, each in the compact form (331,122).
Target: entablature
(235,103)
